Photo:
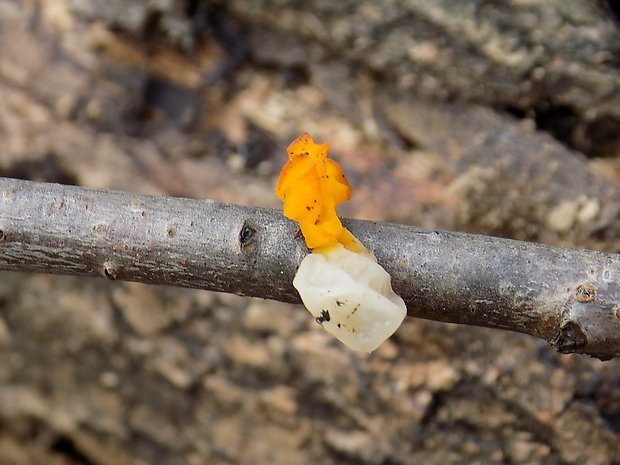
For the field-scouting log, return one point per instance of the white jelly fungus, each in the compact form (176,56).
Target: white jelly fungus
(351,296)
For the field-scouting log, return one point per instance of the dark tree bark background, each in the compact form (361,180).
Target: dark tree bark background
(499,118)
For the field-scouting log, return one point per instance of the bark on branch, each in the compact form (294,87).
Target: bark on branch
(569,297)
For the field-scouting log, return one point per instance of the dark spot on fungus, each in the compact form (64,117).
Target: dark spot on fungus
(324,317)
(339,325)
(585,292)
(171,232)
(353,311)
(246,235)
(308,207)
(2,236)
(339,303)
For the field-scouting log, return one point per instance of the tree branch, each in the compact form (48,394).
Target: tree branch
(569,297)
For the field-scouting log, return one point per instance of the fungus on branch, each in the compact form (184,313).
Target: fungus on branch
(340,282)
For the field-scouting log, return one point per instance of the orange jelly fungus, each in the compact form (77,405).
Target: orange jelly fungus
(311,185)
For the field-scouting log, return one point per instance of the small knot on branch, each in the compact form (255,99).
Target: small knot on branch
(109,271)
(585,292)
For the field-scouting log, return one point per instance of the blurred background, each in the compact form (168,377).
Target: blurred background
(499,118)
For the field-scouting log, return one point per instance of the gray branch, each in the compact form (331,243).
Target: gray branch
(569,297)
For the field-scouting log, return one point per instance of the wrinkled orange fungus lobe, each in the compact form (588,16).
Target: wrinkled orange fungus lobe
(311,185)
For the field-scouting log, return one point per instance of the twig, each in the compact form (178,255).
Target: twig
(569,297)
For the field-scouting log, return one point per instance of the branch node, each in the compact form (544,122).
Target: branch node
(100,229)
(246,235)
(585,292)
(570,339)
(109,271)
